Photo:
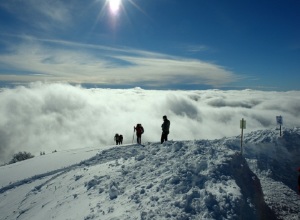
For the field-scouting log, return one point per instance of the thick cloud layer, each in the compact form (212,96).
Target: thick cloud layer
(48,117)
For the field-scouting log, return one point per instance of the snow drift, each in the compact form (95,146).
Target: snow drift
(201,179)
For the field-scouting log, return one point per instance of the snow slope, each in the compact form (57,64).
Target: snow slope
(200,179)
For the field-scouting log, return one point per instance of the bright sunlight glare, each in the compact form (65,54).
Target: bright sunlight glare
(114,5)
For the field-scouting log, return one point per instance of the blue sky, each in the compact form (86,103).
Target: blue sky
(155,44)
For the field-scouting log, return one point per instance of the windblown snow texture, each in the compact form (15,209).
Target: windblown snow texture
(199,179)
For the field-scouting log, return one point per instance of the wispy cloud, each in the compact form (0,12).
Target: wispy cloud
(197,48)
(55,60)
(45,15)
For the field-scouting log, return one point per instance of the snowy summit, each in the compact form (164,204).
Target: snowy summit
(200,179)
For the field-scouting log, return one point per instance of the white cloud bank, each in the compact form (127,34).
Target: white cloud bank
(47,117)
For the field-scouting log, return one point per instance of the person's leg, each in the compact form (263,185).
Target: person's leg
(163,137)
(166,136)
(138,139)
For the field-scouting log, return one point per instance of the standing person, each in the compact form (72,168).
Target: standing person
(139,131)
(120,139)
(117,139)
(165,129)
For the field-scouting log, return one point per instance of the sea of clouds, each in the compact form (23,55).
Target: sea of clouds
(47,117)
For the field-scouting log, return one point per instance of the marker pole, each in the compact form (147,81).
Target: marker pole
(133,135)
(242,125)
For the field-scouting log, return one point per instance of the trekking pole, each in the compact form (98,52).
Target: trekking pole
(133,135)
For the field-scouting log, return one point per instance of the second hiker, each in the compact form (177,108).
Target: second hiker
(165,129)
(139,131)
(116,138)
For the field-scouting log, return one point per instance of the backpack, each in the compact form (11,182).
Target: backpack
(139,129)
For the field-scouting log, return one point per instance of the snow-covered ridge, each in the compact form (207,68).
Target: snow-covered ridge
(199,179)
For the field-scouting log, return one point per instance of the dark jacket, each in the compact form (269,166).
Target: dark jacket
(165,126)
(139,129)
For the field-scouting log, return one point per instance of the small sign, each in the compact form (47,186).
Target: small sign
(279,120)
(243,124)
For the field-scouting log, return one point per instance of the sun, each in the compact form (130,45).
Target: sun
(115,9)
(114,6)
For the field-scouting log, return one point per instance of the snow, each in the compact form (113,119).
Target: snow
(196,179)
